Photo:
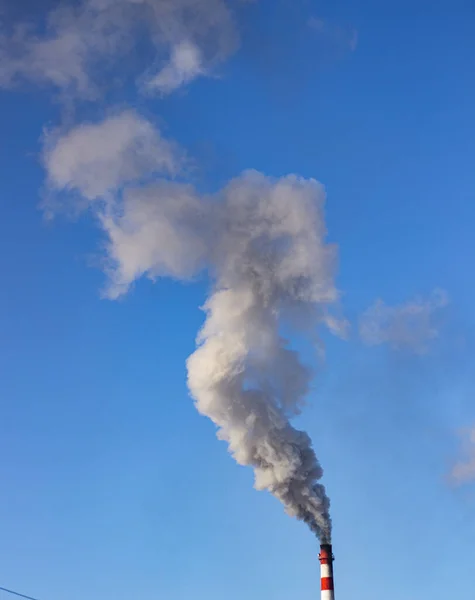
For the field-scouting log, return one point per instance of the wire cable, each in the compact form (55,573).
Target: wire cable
(2,589)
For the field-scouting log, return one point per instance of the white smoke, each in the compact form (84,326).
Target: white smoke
(97,159)
(410,326)
(83,40)
(185,64)
(262,242)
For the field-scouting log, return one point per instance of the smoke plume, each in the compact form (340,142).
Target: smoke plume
(411,326)
(269,260)
(262,243)
(82,43)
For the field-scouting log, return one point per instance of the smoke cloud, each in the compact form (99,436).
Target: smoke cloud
(262,242)
(410,326)
(81,41)
(97,159)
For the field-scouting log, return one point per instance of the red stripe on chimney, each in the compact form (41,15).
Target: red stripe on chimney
(327,583)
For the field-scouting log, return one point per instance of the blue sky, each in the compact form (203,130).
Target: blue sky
(113,485)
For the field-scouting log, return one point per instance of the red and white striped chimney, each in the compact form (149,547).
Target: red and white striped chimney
(326,572)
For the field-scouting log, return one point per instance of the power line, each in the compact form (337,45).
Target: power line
(17,594)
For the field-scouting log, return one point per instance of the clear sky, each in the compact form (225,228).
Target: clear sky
(113,486)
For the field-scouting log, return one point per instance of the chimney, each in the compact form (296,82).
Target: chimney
(326,571)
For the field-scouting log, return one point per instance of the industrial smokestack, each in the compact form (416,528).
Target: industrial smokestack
(326,572)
